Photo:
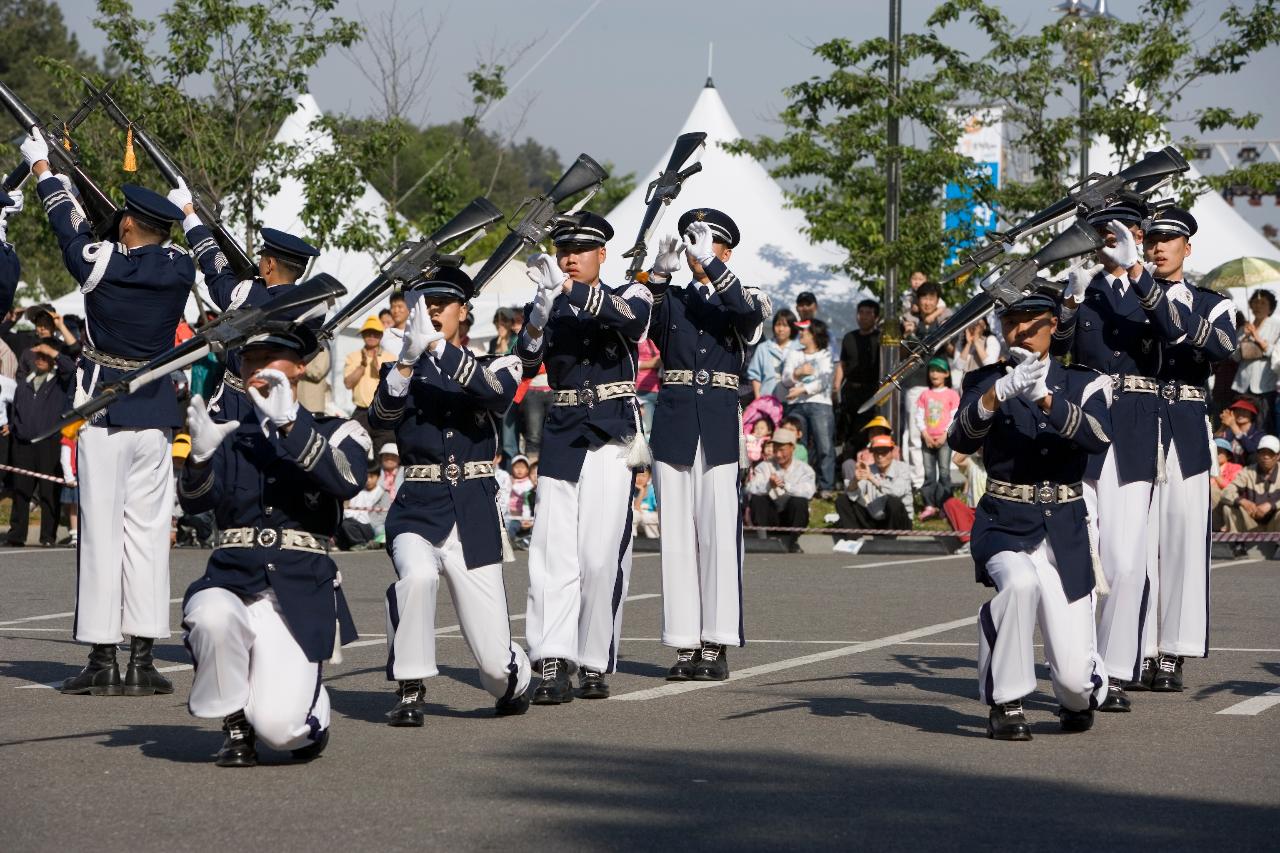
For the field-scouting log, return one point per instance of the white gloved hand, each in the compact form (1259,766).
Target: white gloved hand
(419,334)
(541,310)
(34,149)
(1040,389)
(278,405)
(669,259)
(543,271)
(206,435)
(701,245)
(1078,282)
(1125,253)
(16,206)
(1022,378)
(180,196)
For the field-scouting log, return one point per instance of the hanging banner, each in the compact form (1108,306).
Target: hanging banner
(983,141)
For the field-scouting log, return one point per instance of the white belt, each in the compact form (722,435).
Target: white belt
(116,362)
(271,537)
(1171,391)
(453,472)
(715,378)
(589,396)
(1042,493)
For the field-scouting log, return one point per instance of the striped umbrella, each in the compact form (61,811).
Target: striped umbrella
(1242,272)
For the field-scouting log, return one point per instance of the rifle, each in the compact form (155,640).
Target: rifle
(15,179)
(415,258)
(211,216)
(98,207)
(1096,191)
(230,330)
(1079,239)
(662,191)
(541,216)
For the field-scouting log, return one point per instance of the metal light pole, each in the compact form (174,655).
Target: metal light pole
(891,330)
(1079,12)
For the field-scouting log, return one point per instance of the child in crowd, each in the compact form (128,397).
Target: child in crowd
(71,488)
(520,500)
(391,476)
(357,533)
(644,505)
(796,425)
(1228,470)
(935,409)
(757,434)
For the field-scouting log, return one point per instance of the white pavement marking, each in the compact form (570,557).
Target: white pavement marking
(48,616)
(1256,705)
(906,562)
(791,663)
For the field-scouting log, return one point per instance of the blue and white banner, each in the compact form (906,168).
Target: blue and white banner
(983,141)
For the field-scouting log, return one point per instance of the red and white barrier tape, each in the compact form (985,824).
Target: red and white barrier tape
(36,474)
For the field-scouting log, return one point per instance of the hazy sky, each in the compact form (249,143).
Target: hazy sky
(620,85)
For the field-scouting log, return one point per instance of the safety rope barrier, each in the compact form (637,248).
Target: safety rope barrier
(36,474)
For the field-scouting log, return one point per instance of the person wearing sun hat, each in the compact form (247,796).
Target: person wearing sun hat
(878,495)
(1239,425)
(361,369)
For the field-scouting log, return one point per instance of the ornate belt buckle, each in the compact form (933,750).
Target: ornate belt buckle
(587,397)
(1045,494)
(1169,391)
(703,377)
(267,538)
(453,472)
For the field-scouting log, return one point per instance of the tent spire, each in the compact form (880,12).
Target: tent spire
(710,84)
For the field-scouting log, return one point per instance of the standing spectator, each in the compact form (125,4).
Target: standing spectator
(927,312)
(1224,376)
(532,400)
(979,349)
(909,297)
(779,490)
(504,340)
(384,317)
(52,331)
(648,381)
(1228,468)
(1251,501)
(362,370)
(807,377)
(1239,425)
(313,387)
(644,506)
(393,335)
(766,363)
(807,306)
(877,495)
(504,343)
(934,411)
(39,399)
(858,374)
(1258,355)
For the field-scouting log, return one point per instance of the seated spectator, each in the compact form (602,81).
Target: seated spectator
(1251,501)
(961,513)
(876,496)
(644,506)
(356,532)
(779,490)
(519,509)
(391,474)
(797,426)
(935,408)
(879,425)
(1239,424)
(190,530)
(1228,469)
(760,433)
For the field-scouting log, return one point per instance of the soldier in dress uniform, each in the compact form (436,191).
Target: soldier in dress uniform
(135,289)
(1036,425)
(10,268)
(269,609)
(1177,624)
(586,333)
(282,261)
(703,331)
(446,408)
(1117,322)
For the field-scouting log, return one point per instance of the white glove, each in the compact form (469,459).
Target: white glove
(205,434)
(541,310)
(1125,253)
(419,334)
(1019,380)
(670,257)
(278,406)
(15,207)
(180,195)
(1040,389)
(34,149)
(1078,282)
(543,271)
(701,246)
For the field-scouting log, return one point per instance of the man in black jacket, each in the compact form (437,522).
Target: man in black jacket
(39,399)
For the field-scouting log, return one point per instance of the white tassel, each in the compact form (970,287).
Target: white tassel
(336,657)
(1099,578)
(1160,473)
(638,455)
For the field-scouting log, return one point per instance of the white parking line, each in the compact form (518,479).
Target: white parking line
(791,663)
(906,562)
(1256,705)
(48,616)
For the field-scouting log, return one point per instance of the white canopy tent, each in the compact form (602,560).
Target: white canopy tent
(775,254)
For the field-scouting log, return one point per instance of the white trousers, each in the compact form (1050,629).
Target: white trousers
(480,598)
(126,507)
(701,553)
(1177,620)
(1029,589)
(246,659)
(580,562)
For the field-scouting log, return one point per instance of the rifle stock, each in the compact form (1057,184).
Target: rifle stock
(22,171)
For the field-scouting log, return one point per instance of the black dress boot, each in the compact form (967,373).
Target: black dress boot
(1145,674)
(713,663)
(554,689)
(240,749)
(1075,721)
(1168,675)
(682,669)
(592,684)
(1007,721)
(512,706)
(1116,701)
(411,709)
(101,677)
(312,750)
(142,678)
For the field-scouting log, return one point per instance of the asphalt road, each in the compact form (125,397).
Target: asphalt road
(851,720)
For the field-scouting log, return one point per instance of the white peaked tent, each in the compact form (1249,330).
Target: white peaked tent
(775,254)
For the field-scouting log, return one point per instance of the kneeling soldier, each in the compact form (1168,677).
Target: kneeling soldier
(1036,425)
(264,616)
